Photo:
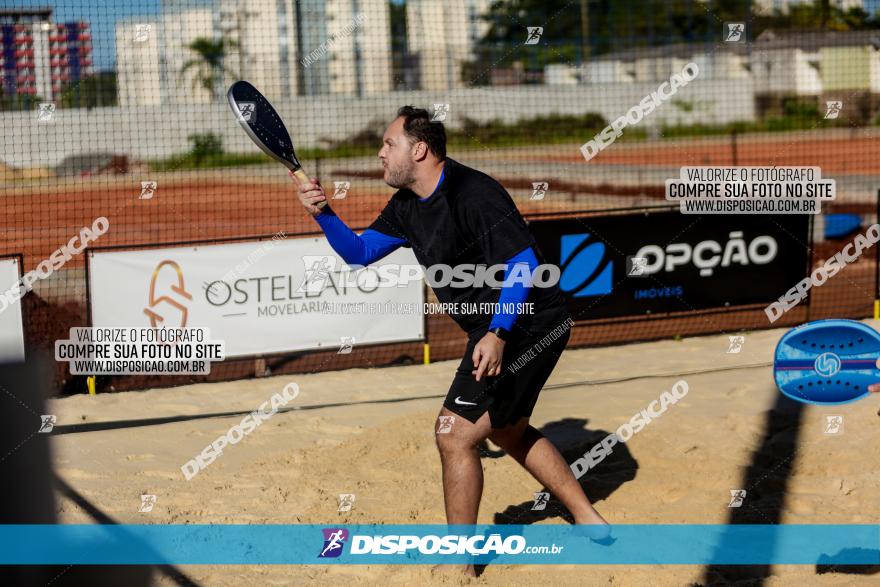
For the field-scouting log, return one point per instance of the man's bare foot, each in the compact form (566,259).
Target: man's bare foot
(594,526)
(467,570)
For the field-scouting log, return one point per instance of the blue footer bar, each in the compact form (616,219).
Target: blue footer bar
(235,544)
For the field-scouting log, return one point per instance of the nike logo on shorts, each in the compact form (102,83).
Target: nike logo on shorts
(463,403)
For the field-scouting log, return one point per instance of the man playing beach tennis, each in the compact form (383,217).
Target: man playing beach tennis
(453,215)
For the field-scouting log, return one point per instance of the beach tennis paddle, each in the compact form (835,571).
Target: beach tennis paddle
(827,362)
(265,128)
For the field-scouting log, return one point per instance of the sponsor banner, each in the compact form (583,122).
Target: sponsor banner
(235,544)
(666,262)
(253,296)
(11,327)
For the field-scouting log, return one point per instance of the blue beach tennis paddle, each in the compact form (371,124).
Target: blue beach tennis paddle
(827,362)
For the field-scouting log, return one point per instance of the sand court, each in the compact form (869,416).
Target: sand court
(370,433)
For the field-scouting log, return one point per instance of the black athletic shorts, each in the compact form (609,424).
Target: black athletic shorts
(525,367)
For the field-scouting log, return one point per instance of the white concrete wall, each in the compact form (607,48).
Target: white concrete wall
(874,69)
(152,132)
(722,66)
(790,71)
(560,74)
(655,69)
(609,72)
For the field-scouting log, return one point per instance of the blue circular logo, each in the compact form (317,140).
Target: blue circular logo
(827,364)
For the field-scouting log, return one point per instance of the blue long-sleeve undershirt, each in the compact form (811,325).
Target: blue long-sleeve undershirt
(367,248)
(372,245)
(513,291)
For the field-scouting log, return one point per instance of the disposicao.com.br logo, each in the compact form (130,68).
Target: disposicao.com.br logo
(321,272)
(334,540)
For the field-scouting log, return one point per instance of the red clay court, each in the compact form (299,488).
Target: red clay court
(856,155)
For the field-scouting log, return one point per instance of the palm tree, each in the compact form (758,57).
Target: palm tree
(210,55)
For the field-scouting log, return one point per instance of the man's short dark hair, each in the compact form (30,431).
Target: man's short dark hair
(418,126)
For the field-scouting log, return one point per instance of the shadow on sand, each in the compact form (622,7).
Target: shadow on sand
(572,438)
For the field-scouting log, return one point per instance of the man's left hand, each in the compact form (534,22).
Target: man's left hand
(487,356)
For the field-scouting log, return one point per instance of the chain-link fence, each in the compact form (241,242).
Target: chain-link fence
(583,111)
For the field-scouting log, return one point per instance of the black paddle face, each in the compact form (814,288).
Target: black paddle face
(262,124)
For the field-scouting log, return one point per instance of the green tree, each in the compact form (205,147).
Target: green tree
(823,15)
(91,91)
(614,25)
(19,102)
(209,63)
(204,146)
(611,24)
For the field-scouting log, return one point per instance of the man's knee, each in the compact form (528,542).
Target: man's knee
(454,433)
(450,443)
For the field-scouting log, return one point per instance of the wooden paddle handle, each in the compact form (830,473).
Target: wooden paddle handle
(305,179)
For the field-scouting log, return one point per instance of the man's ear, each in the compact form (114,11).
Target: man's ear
(420,151)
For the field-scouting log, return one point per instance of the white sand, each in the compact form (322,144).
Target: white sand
(291,469)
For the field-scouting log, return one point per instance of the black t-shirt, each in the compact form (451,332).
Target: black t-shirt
(470,219)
